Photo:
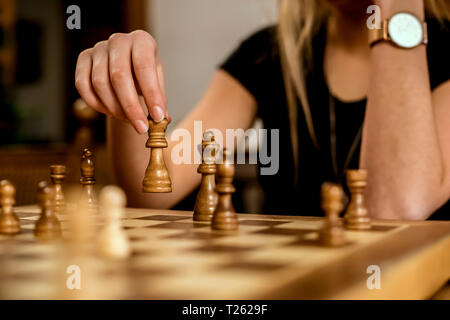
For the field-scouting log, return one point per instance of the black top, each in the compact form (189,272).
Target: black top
(256,65)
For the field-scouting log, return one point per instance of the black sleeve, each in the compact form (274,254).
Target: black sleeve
(253,59)
(438,52)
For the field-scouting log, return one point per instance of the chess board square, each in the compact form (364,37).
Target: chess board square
(268,223)
(163,218)
(180,225)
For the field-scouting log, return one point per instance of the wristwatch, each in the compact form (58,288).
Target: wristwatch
(403,29)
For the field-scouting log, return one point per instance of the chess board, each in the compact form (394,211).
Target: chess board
(270,257)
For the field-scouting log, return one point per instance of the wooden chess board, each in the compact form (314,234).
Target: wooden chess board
(270,257)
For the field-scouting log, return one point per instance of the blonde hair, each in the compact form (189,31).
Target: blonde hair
(299,20)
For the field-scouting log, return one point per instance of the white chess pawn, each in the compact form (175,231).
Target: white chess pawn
(112,240)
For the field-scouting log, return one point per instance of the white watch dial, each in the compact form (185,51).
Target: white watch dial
(406,30)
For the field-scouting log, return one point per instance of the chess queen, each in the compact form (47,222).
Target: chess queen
(348,84)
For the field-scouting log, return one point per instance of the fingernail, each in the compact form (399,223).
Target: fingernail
(157,114)
(141,126)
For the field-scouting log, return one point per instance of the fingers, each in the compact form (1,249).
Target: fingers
(119,46)
(147,73)
(84,85)
(109,75)
(160,73)
(100,80)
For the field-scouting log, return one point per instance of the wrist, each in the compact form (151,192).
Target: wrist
(391,7)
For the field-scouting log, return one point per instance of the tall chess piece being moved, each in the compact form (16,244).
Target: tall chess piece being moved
(157,177)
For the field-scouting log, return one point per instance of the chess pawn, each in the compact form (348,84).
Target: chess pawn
(112,240)
(9,223)
(87,179)
(48,226)
(357,216)
(206,201)
(225,217)
(332,234)
(57,175)
(157,177)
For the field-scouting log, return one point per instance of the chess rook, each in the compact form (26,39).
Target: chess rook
(57,175)
(357,216)
(206,201)
(87,179)
(332,233)
(9,223)
(112,240)
(225,217)
(157,177)
(48,226)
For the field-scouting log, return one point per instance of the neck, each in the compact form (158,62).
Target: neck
(348,28)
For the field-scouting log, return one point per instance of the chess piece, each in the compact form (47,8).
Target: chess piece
(57,175)
(357,216)
(112,240)
(9,223)
(225,217)
(206,201)
(87,179)
(157,177)
(332,234)
(48,226)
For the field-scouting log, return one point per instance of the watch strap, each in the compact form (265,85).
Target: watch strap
(382,34)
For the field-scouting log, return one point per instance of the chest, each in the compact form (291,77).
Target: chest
(347,73)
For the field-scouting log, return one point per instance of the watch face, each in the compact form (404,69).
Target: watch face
(405,30)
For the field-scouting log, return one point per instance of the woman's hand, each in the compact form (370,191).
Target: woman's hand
(110,76)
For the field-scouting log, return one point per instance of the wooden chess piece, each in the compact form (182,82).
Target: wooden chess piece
(357,216)
(87,179)
(57,175)
(332,234)
(157,177)
(225,217)
(48,226)
(206,201)
(112,240)
(9,223)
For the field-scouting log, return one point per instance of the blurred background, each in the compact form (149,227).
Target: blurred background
(41,121)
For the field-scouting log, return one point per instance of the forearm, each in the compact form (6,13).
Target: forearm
(400,143)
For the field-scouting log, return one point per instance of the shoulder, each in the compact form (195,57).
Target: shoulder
(259,47)
(255,59)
